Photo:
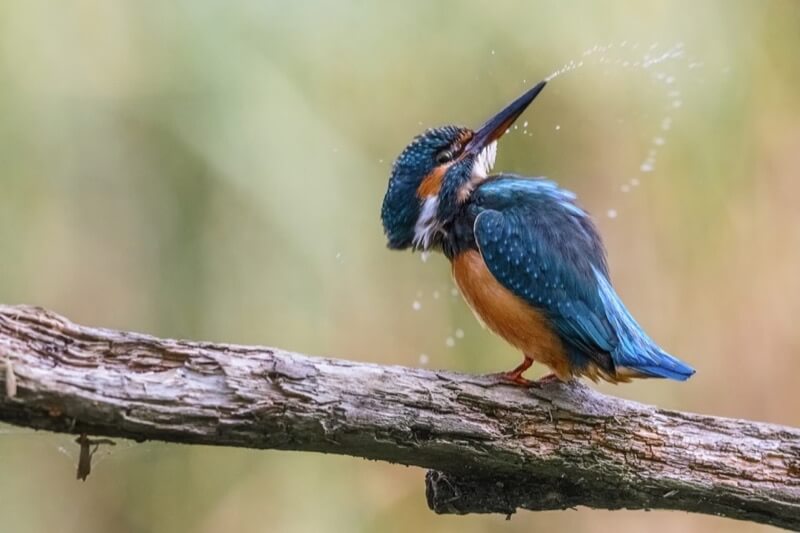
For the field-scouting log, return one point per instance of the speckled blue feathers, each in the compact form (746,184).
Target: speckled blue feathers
(544,248)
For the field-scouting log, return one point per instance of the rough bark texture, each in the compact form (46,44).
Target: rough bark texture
(493,448)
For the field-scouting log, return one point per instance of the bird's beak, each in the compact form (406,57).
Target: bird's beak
(495,127)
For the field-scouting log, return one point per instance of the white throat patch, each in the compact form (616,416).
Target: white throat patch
(484,163)
(426,225)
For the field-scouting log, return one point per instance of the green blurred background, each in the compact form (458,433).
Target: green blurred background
(214,170)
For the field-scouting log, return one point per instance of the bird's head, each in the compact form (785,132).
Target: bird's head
(437,172)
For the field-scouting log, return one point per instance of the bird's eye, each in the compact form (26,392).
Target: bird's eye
(444,157)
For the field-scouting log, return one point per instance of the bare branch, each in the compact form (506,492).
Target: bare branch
(492,447)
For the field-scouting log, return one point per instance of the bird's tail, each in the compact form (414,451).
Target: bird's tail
(660,364)
(637,355)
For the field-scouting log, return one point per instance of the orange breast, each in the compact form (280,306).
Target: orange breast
(507,315)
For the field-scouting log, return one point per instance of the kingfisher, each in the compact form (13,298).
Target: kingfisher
(526,257)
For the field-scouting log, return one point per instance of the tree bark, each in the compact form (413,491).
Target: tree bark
(492,447)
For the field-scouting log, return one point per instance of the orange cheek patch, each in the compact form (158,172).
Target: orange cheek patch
(432,183)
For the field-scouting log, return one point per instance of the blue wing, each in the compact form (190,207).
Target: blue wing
(544,248)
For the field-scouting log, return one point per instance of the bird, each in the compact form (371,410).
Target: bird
(525,256)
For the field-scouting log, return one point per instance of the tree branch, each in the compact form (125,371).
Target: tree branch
(493,448)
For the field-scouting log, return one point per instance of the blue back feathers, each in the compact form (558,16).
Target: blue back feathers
(539,244)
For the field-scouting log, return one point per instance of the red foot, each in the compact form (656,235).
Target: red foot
(515,376)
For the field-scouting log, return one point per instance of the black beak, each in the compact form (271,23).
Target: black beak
(495,127)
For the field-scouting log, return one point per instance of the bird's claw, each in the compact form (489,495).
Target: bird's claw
(514,378)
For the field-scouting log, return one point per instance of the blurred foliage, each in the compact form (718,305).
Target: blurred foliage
(214,170)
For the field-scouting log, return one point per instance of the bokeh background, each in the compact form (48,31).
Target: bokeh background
(214,170)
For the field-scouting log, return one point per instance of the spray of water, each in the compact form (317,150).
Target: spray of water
(632,55)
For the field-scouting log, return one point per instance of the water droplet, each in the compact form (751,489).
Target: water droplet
(676,103)
(423,359)
(525,124)
(453,292)
(459,333)
(612,213)
(558,127)
(450,342)
(424,256)
(646,167)
(492,52)
(625,188)
(435,295)
(416,305)
(659,141)
(634,182)
(666,124)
